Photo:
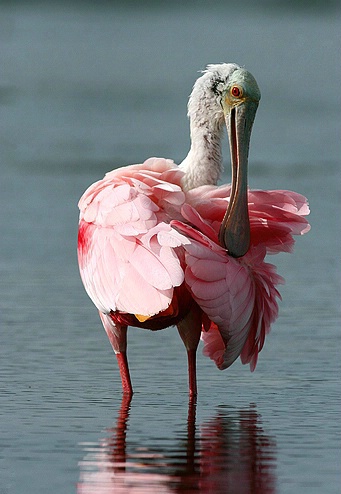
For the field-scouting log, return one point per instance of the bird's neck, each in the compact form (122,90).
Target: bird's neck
(203,164)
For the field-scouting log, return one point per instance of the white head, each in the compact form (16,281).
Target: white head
(205,102)
(225,93)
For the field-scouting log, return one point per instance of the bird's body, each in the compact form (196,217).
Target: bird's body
(153,251)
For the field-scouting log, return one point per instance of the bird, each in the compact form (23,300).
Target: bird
(163,245)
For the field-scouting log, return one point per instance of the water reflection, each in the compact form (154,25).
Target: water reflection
(230,453)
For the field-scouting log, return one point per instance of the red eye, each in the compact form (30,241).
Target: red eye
(236,92)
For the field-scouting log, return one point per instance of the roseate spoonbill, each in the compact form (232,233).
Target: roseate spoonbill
(162,245)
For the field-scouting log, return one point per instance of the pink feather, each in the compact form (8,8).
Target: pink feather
(238,295)
(141,236)
(148,245)
(126,250)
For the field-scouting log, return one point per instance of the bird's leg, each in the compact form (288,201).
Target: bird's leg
(124,373)
(117,334)
(190,329)
(192,371)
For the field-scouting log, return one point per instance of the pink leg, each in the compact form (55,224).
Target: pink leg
(124,372)
(192,372)
(190,329)
(117,335)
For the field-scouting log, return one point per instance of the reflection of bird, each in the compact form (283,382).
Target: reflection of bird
(161,245)
(230,452)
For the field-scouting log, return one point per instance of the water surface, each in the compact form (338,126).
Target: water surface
(83,91)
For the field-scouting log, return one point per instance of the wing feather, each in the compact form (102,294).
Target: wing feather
(128,256)
(238,296)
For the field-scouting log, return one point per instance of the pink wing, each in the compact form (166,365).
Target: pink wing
(126,247)
(275,215)
(239,296)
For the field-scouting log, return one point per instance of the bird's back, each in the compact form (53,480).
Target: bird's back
(126,246)
(147,250)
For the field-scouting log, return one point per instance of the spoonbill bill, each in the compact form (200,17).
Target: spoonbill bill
(162,245)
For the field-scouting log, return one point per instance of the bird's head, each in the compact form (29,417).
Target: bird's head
(228,93)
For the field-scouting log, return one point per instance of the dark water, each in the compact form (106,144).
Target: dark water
(88,89)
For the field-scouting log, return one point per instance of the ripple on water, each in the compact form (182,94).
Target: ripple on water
(228,452)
